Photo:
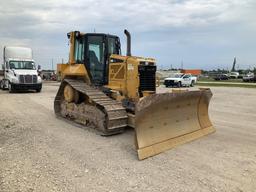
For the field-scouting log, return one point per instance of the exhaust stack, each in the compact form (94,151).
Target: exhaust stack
(128,35)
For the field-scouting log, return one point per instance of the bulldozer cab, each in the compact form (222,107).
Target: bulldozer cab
(93,50)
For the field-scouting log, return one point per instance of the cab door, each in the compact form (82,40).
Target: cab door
(186,80)
(96,58)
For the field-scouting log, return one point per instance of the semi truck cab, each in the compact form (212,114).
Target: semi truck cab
(20,70)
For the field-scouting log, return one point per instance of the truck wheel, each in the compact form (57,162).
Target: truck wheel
(11,90)
(1,85)
(192,84)
(179,84)
(38,90)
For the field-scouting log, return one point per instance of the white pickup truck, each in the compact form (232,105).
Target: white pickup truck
(19,70)
(180,80)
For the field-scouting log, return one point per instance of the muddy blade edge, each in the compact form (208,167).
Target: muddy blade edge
(166,120)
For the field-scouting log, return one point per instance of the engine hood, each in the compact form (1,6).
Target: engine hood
(25,72)
(172,78)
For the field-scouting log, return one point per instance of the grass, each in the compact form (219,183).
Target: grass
(212,80)
(226,85)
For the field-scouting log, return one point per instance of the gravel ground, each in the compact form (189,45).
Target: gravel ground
(41,153)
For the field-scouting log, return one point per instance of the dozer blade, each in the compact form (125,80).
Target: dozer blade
(163,121)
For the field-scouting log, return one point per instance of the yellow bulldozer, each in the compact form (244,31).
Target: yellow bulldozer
(106,91)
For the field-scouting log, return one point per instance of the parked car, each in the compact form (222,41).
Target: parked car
(180,80)
(249,78)
(221,77)
(233,75)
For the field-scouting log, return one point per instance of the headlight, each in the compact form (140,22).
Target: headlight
(39,79)
(15,80)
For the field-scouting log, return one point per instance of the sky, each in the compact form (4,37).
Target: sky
(204,34)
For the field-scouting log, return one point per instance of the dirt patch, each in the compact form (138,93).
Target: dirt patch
(39,152)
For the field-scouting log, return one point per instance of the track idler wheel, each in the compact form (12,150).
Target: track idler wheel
(70,95)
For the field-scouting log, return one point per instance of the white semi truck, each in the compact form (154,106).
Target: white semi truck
(19,70)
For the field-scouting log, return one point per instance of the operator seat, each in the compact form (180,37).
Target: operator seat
(95,66)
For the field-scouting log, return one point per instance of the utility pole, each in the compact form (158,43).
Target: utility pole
(182,64)
(234,65)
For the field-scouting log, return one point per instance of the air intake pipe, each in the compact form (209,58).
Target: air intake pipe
(128,35)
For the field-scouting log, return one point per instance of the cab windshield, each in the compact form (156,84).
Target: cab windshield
(22,65)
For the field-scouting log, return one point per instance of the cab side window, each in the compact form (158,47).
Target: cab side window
(79,50)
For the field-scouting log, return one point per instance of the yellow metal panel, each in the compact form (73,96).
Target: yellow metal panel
(76,70)
(61,67)
(117,76)
(132,81)
(72,48)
